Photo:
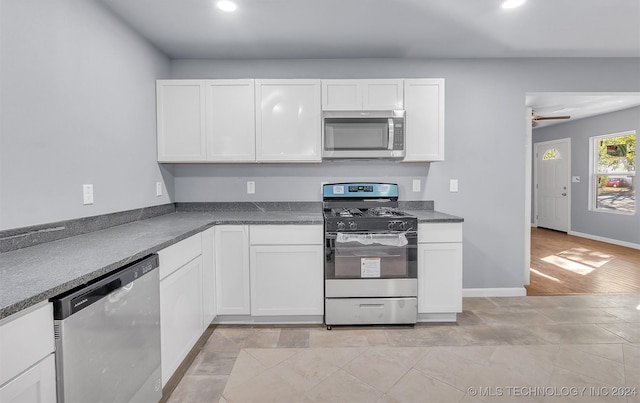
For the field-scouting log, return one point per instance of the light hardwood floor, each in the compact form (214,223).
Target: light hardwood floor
(567,264)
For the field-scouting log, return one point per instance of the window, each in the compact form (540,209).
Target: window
(614,172)
(551,154)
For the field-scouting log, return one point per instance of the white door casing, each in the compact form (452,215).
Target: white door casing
(552,184)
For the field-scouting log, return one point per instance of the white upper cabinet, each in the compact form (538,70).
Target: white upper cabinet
(181,120)
(378,94)
(288,121)
(230,120)
(424,126)
(206,121)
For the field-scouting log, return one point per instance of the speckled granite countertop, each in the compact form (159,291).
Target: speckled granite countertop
(427,216)
(35,274)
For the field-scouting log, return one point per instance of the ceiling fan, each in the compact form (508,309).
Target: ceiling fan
(536,118)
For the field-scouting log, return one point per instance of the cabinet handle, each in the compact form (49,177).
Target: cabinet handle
(374,306)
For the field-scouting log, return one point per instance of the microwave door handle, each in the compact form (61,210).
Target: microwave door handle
(391,133)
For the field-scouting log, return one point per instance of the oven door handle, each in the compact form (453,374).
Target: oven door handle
(408,234)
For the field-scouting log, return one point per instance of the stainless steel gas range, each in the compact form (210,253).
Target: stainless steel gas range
(370,256)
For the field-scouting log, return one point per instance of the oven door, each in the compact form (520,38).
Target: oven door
(370,255)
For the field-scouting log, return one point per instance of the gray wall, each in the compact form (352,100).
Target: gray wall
(485,139)
(614,226)
(78,106)
(77,92)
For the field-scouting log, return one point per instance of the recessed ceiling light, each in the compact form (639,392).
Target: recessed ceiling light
(512,3)
(226,5)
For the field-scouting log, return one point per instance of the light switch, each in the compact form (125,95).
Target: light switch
(453,185)
(158,188)
(87,194)
(251,187)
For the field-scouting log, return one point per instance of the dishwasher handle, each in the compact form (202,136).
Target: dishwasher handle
(79,298)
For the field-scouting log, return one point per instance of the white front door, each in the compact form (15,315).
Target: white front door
(552,184)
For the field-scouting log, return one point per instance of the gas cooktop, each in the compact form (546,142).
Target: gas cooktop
(364,207)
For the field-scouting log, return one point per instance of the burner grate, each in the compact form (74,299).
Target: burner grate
(385,212)
(346,212)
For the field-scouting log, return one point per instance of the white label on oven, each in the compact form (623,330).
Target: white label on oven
(338,190)
(369,267)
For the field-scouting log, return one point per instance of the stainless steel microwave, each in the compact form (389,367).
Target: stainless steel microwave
(363,134)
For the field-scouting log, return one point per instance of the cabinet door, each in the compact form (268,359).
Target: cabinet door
(440,277)
(180,315)
(232,269)
(382,94)
(230,120)
(25,338)
(287,280)
(181,120)
(424,106)
(288,121)
(208,278)
(341,95)
(36,385)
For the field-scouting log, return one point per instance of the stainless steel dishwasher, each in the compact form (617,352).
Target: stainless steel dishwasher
(108,337)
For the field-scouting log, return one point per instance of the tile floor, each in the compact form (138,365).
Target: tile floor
(520,349)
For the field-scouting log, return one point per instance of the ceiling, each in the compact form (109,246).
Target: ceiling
(578,105)
(399,29)
(408,29)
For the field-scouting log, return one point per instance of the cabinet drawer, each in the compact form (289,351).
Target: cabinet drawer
(177,255)
(439,232)
(370,311)
(286,234)
(25,338)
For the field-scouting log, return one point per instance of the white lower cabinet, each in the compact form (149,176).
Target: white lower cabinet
(286,280)
(36,385)
(208,278)
(181,302)
(27,364)
(232,269)
(439,271)
(269,271)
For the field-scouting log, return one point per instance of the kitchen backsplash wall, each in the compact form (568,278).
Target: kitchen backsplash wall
(290,182)
(486,148)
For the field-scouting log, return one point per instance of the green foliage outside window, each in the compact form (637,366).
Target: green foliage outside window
(624,161)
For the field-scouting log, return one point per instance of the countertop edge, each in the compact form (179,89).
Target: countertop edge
(39,297)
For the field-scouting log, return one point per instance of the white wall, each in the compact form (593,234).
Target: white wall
(485,143)
(625,228)
(77,104)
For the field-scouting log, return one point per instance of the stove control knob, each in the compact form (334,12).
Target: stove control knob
(353,225)
(402,225)
(340,225)
(391,226)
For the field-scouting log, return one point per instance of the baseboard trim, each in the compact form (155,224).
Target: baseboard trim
(494,292)
(607,240)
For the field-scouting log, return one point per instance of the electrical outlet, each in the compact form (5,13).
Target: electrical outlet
(453,185)
(416,185)
(158,188)
(251,187)
(575,179)
(87,194)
